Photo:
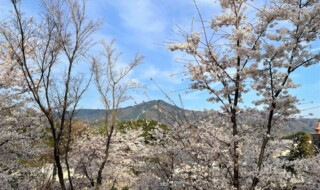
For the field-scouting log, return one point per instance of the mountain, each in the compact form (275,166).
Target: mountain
(156,109)
(166,113)
(300,124)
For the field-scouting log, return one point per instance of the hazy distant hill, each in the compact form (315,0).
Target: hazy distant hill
(164,112)
(300,124)
(155,109)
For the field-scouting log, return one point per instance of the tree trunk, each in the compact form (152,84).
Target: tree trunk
(99,177)
(255,180)
(66,155)
(235,156)
(58,165)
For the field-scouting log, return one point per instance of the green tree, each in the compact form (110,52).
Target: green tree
(146,125)
(302,146)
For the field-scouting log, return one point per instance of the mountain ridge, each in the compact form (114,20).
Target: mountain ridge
(155,109)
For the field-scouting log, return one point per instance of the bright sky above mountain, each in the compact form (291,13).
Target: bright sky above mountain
(146,27)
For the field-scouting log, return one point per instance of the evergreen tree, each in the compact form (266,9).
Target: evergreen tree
(302,146)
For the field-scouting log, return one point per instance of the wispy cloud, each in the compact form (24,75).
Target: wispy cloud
(142,18)
(165,77)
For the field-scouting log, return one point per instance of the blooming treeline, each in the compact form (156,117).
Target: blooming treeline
(252,46)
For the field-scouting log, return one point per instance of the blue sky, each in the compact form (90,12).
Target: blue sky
(146,26)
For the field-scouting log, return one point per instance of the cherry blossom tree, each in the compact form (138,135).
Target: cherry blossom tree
(59,40)
(125,152)
(20,127)
(21,142)
(244,52)
(112,84)
(196,155)
(22,148)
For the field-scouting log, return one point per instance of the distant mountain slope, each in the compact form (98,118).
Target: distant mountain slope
(154,109)
(300,124)
(164,112)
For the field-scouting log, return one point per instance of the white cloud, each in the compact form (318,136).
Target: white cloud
(162,76)
(149,71)
(143,16)
(140,15)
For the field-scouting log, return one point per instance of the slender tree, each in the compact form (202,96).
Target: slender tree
(59,40)
(113,86)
